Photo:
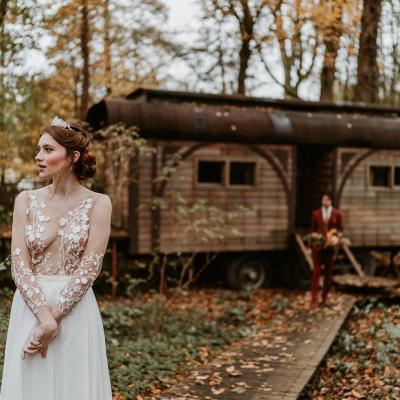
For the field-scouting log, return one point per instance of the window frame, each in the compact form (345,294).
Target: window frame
(243,160)
(226,172)
(391,177)
(394,166)
(209,184)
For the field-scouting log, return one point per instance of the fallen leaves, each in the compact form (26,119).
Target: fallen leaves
(249,364)
(217,391)
(364,361)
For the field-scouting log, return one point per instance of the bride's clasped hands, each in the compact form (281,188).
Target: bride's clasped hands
(39,339)
(41,335)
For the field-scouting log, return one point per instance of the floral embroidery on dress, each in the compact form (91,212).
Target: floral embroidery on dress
(74,235)
(83,278)
(33,235)
(24,279)
(77,253)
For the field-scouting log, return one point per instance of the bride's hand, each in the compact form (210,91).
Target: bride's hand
(39,339)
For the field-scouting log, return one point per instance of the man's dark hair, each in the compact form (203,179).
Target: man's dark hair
(329,194)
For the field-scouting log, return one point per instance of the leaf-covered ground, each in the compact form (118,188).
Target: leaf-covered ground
(278,358)
(364,361)
(151,343)
(197,327)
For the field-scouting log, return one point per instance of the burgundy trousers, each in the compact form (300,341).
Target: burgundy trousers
(322,256)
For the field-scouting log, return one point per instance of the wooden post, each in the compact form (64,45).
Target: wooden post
(114,269)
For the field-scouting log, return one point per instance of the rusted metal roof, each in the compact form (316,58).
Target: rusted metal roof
(152,95)
(173,120)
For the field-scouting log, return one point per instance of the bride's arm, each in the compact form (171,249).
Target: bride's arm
(21,270)
(23,277)
(91,261)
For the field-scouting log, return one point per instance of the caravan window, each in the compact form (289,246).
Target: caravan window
(242,173)
(379,176)
(396,181)
(211,172)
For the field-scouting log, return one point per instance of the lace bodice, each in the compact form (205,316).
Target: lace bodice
(69,240)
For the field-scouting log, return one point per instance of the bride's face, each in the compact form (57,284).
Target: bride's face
(51,157)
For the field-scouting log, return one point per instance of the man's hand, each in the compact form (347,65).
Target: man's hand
(333,240)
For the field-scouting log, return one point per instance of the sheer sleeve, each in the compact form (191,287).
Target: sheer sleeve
(21,271)
(92,257)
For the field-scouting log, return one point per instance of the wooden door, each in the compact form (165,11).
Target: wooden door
(315,175)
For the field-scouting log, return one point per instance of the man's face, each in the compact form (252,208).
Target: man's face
(326,201)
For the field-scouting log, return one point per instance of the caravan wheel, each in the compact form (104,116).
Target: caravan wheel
(248,272)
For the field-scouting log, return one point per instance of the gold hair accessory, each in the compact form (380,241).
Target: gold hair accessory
(61,123)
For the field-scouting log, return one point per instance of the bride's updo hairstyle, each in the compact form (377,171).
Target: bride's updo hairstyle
(74,138)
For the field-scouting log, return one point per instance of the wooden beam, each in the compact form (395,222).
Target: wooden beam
(353,261)
(304,251)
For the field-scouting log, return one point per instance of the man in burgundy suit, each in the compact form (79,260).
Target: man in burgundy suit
(324,219)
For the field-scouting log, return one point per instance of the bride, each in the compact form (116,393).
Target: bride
(55,345)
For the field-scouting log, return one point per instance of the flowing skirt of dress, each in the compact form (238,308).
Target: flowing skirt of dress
(76,365)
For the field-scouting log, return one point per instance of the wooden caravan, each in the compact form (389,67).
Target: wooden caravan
(272,157)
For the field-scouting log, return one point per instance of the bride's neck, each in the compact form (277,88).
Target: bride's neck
(64,187)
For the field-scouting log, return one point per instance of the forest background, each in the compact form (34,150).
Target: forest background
(58,58)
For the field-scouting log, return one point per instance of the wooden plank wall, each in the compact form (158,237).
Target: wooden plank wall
(117,183)
(144,211)
(263,226)
(371,215)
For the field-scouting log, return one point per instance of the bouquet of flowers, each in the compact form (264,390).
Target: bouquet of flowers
(333,238)
(314,239)
(336,239)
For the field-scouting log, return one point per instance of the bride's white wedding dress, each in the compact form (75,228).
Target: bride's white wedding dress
(57,253)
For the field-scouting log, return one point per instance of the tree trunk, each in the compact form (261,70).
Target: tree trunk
(244,56)
(3,11)
(76,75)
(246,30)
(366,89)
(221,63)
(107,46)
(331,37)
(85,59)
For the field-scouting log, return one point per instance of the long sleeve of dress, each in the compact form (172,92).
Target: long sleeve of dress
(21,270)
(92,258)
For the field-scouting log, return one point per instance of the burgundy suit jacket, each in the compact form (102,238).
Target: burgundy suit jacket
(335,221)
